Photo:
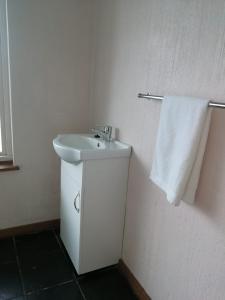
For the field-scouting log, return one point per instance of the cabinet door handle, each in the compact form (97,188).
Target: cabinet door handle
(75,202)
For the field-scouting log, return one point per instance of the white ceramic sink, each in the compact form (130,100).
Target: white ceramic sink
(76,147)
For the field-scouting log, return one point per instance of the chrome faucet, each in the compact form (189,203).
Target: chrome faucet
(104,132)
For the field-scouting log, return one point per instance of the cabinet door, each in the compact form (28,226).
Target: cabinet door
(70,218)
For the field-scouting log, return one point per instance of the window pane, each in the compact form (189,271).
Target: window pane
(0,137)
(5,121)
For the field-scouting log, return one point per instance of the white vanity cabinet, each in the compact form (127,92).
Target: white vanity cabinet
(93,195)
(70,217)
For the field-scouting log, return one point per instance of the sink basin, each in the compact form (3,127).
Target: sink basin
(76,147)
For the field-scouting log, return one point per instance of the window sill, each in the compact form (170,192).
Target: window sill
(8,166)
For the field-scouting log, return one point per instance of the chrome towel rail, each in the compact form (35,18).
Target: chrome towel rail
(155,97)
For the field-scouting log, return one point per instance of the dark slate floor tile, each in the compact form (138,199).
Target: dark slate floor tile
(68,291)
(106,285)
(57,231)
(36,243)
(45,270)
(68,258)
(10,285)
(7,252)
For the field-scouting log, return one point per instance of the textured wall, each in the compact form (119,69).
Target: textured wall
(166,47)
(50,59)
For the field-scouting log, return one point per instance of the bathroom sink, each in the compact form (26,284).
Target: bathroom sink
(76,147)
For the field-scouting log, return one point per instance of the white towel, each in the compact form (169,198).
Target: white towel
(182,135)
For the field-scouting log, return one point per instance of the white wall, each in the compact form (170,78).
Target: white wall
(50,60)
(166,47)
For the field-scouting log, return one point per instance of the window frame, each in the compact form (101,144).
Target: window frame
(5,97)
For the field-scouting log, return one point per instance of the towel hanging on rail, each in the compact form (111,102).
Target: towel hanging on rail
(180,146)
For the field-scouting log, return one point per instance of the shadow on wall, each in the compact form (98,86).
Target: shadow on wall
(141,206)
(210,195)
(210,199)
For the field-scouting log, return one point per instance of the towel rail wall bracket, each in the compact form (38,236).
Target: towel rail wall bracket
(155,97)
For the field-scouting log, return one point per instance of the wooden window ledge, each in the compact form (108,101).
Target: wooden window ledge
(8,166)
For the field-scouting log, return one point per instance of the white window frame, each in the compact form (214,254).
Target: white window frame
(5,84)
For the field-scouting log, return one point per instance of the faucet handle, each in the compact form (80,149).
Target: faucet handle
(108,129)
(104,131)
